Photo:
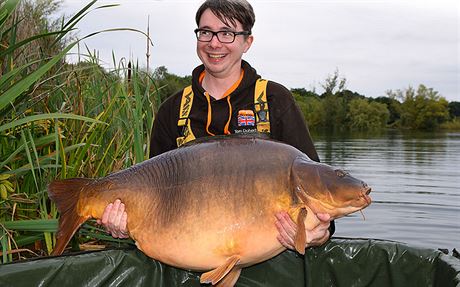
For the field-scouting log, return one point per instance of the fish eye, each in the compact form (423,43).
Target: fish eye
(340,173)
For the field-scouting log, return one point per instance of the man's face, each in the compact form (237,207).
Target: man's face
(221,59)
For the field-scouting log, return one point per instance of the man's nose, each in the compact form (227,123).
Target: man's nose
(214,42)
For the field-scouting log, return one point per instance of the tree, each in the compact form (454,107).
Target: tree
(454,109)
(433,108)
(302,92)
(334,110)
(333,84)
(422,109)
(364,115)
(311,109)
(34,18)
(394,108)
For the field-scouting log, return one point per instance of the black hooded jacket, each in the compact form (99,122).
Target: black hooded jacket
(286,121)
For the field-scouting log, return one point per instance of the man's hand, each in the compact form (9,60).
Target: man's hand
(114,219)
(315,237)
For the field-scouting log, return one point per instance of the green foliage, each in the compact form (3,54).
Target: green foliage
(29,37)
(169,84)
(364,115)
(338,109)
(454,109)
(29,50)
(335,110)
(454,124)
(302,92)
(394,108)
(311,108)
(421,109)
(25,154)
(60,120)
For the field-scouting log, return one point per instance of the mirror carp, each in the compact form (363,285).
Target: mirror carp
(210,205)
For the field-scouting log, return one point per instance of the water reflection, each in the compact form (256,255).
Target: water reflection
(415,180)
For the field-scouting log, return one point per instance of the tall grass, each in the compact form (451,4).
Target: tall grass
(61,120)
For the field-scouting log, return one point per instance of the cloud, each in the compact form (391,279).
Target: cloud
(377,45)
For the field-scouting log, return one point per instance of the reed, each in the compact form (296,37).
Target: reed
(61,120)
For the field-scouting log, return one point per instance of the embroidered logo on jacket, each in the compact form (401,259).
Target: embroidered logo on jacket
(246,118)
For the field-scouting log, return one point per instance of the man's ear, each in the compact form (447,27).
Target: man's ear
(248,43)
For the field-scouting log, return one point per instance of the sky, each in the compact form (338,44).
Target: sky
(377,45)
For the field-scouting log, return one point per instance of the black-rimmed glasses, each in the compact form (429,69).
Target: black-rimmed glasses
(226,37)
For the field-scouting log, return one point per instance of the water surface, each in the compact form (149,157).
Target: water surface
(415,182)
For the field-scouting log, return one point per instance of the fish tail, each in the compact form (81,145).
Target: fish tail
(66,193)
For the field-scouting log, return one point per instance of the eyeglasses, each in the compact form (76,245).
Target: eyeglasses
(226,37)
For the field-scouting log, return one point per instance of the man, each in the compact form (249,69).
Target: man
(223,100)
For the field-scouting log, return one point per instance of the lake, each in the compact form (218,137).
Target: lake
(415,180)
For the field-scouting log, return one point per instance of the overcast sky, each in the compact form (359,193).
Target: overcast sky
(375,45)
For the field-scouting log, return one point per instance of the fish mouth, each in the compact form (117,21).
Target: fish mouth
(339,210)
(363,199)
(365,195)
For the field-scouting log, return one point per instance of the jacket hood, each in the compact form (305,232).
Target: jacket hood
(249,78)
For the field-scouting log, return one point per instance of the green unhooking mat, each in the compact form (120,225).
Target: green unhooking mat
(340,262)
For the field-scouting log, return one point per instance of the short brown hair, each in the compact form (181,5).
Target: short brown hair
(229,11)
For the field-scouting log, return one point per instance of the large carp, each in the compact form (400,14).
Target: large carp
(210,206)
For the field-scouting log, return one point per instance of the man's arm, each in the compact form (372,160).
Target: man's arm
(164,130)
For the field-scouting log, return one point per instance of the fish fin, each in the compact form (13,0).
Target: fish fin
(215,275)
(297,166)
(65,193)
(300,239)
(230,279)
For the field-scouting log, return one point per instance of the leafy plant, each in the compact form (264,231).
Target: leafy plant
(78,120)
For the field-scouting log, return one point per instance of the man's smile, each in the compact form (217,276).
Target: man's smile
(216,56)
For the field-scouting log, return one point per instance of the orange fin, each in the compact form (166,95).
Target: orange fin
(215,275)
(230,279)
(300,239)
(298,167)
(65,193)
